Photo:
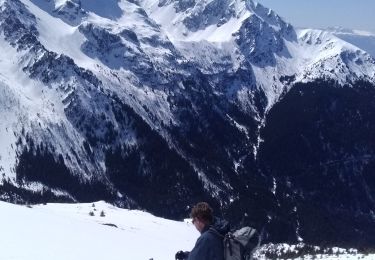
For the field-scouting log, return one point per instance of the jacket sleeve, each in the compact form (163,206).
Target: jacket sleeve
(187,253)
(199,251)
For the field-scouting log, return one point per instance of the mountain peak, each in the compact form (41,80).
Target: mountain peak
(211,20)
(75,9)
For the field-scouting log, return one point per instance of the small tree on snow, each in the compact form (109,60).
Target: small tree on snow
(102,214)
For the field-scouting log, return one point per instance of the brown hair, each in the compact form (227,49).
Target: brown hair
(203,212)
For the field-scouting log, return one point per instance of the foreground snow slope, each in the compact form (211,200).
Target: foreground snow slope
(68,232)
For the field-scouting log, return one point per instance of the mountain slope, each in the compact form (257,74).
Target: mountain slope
(361,39)
(159,104)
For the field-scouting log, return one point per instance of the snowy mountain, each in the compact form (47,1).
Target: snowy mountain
(160,104)
(362,39)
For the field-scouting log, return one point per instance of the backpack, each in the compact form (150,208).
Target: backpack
(240,244)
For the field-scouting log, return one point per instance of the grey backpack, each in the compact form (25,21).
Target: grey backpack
(240,244)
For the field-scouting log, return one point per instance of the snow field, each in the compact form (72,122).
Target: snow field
(68,232)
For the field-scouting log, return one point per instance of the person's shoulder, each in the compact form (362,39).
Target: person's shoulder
(203,240)
(221,226)
(205,236)
(212,232)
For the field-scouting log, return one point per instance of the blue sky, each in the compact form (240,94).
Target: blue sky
(351,14)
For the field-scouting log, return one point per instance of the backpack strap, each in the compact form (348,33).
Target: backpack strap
(227,243)
(225,238)
(216,232)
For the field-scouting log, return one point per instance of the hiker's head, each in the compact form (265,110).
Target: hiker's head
(201,215)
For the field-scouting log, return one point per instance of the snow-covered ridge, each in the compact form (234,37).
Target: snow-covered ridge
(68,231)
(214,20)
(362,39)
(222,36)
(241,31)
(333,58)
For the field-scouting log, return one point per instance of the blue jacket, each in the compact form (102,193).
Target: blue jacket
(209,245)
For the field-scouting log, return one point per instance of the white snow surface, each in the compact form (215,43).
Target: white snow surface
(68,232)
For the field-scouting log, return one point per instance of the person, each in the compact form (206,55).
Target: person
(209,245)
